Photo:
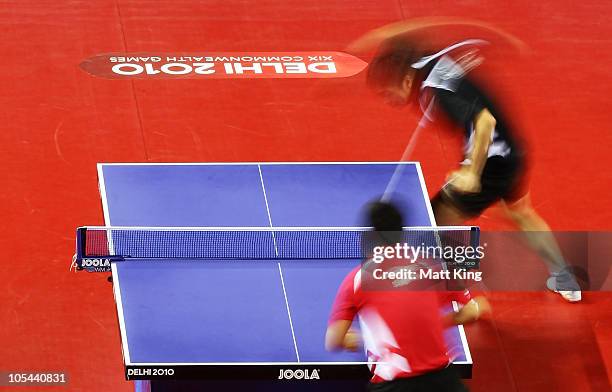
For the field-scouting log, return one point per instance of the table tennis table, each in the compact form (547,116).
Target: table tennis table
(248,319)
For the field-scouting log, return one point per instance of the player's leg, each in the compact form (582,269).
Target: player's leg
(451,207)
(541,239)
(537,231)
(445,213)
(448,214)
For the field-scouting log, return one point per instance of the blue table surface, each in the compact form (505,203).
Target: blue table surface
(217,311)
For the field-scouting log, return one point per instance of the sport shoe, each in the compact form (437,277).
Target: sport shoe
(564,283)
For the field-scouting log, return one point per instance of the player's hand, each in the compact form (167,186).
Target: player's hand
(352,340)
(483,307)
(473,310)
(464,181)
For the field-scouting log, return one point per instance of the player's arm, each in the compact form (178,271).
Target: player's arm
(470,312)
(463,110)
(484,125)
(344,309)
(340,336)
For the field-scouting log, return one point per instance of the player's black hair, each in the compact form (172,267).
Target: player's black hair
(387,222)
(392,62)
(384,216)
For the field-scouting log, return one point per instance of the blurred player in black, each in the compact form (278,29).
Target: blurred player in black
(493,168)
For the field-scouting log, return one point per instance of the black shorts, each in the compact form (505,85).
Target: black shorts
(444,380)
(502,179)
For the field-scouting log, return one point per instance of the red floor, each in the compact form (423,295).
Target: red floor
(58,121)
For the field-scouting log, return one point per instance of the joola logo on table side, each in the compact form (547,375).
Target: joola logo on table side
(299,374)
(96,262)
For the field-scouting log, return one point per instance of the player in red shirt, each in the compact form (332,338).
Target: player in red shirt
(402,330)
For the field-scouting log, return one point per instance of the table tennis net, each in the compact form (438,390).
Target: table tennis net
(257,243)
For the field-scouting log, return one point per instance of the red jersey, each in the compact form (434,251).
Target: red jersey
(402,330)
